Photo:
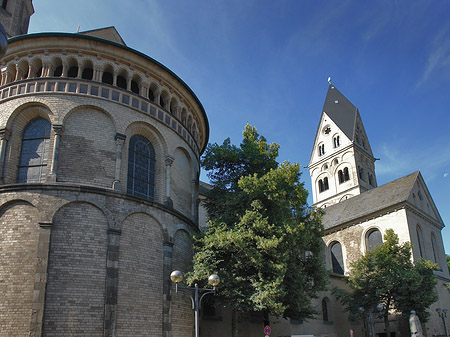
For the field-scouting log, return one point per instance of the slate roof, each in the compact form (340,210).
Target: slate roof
(369,202)
(343,113)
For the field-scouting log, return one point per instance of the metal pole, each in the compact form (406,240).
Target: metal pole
(196,310)
(445,327)
(371,324)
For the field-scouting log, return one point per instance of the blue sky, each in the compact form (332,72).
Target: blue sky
(267,63)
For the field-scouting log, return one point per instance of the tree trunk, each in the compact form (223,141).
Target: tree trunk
(234,324)
(386,325)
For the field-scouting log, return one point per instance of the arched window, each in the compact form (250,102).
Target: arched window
(87,74)
(337,259)
(320,185)
(419,239)
(121,82)
(370,179)
(58,71)
(336,141)
(361,173)
(73,71)
(326,310)
(373,239)
(435,251)
(135,87)
(107,78)
(141,167)
(151,95)
(321,149)
(343,175)
(325,184)
(34,151)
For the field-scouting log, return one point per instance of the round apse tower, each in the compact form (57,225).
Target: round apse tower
(99,166)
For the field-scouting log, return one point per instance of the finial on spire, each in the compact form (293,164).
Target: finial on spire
(329,79)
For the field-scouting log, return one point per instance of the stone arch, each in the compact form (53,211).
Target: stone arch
(164,99)
(181,305)
(87,69)
(72,67)
(141,260)
(16,123)
(19,241)
(159,145)
(23,69)
(36,67)
(182,175)
(87,147)
(11,72)
(108,74)
(56,67)
(76,271)
(152,92)
(122,79)
(136,83)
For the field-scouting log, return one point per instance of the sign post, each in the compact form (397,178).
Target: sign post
(267,330)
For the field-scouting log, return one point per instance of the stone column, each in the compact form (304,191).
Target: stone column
(97,76)
(157,95)
(120,140)
(144,89)
(112,281)
(4,136)
(167,269)
(193,198)
(169,160)
(58,130)
(40,279)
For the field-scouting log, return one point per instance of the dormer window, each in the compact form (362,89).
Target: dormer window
(321,149)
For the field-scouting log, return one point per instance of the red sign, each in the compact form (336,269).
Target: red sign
(267,330)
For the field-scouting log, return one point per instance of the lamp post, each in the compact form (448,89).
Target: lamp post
(370,318)
(443,315)
(193,292)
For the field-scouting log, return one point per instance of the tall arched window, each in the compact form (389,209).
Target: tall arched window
(325,184)
(337,259)
(326,310)
(435,251)
(373,239)
(34,151)
(141,167)
(419,239)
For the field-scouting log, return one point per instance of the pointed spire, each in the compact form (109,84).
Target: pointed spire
(340,110)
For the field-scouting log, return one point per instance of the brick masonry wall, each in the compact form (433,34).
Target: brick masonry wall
(76,272)
(19,233)
(76,290)
(181,306)
(140,277)
(87,148)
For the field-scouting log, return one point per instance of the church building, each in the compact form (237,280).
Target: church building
(100,150)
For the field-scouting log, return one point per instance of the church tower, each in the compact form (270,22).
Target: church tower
(15,16)
(341,164)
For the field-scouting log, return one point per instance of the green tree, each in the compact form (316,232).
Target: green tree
(262,239)
(448,262)
(386,276)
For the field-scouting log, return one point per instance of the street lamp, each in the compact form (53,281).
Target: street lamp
(443,315)
(193,292)
(370,318)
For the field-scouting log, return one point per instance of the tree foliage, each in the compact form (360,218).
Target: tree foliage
(262,239)
(386,276)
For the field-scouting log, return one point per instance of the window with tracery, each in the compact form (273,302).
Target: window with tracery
(34,151)
(141,167)
(343,175)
